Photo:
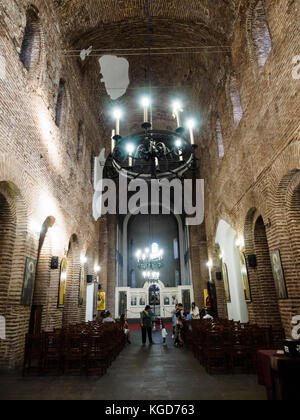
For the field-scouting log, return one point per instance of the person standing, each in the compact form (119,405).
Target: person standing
(195,311)
(146,324)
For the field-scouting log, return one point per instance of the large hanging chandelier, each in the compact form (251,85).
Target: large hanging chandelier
(153,154)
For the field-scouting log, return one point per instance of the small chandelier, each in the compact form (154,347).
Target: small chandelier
(153,154)
(150,261)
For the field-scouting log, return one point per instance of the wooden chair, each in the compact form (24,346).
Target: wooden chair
(52,353)
(33,356)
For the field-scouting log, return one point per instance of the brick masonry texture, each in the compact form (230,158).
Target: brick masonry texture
(247,99)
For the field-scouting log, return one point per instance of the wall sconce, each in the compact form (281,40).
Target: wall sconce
(268,224)
(83,260)
(240,243)
(209,265)
(97,269)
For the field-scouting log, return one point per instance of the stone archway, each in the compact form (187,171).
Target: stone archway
(264,308)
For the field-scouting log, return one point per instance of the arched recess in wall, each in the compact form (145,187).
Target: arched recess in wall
(32,45)
(61,103)
(235,100)
(226,238)
(264,307)
(13,230)
(40,319)
(287,210)
(70,311)
(183,267)
(259,38)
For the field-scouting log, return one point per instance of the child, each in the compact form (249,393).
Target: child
(164,333)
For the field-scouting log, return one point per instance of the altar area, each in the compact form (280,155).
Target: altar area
(162,299)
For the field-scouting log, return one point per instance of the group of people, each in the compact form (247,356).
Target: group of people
(147,318)
(178,317)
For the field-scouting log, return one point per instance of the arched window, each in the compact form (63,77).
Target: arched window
(260,34)
(60,105)
(236,101)
(220,138)
(80,142)
(31,45)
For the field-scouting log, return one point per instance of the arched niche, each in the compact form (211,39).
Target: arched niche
(226,238)
(183,243)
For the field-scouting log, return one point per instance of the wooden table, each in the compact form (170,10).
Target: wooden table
(280,375)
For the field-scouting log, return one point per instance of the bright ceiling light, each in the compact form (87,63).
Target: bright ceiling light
(177,106)
(178,143)
(191,123)
(117,113)
(130,148)
(146,102)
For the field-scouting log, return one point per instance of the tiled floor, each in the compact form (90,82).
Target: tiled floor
(150,373)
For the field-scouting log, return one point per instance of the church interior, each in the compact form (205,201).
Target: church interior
(149,155)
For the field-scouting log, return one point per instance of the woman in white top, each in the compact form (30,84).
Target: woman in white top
(195,311)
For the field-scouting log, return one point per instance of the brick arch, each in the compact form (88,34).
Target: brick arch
(13,233)
(71,313)
(264,308)
(285,233)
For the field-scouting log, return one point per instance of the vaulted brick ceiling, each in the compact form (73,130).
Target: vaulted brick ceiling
(122,24)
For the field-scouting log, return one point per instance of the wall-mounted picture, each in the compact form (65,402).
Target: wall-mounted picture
(133,301)
(142,301)
(167,301)
(101,301)
(28,284)
(245,277)
(174,300)
(278,274)
(226,283)
(81,287)
(62,283)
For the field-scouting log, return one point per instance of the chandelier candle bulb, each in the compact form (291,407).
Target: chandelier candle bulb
(192,135)
(177,109)
(146,105)
(113,143)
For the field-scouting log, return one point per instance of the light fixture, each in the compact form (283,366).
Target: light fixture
(83,260)
(158,154)
(240,243)
(97,269)
(209,264)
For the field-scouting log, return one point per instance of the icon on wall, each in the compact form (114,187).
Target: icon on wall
(29,280)
(62,283)
(278,274)
(101,302)
(245,278)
